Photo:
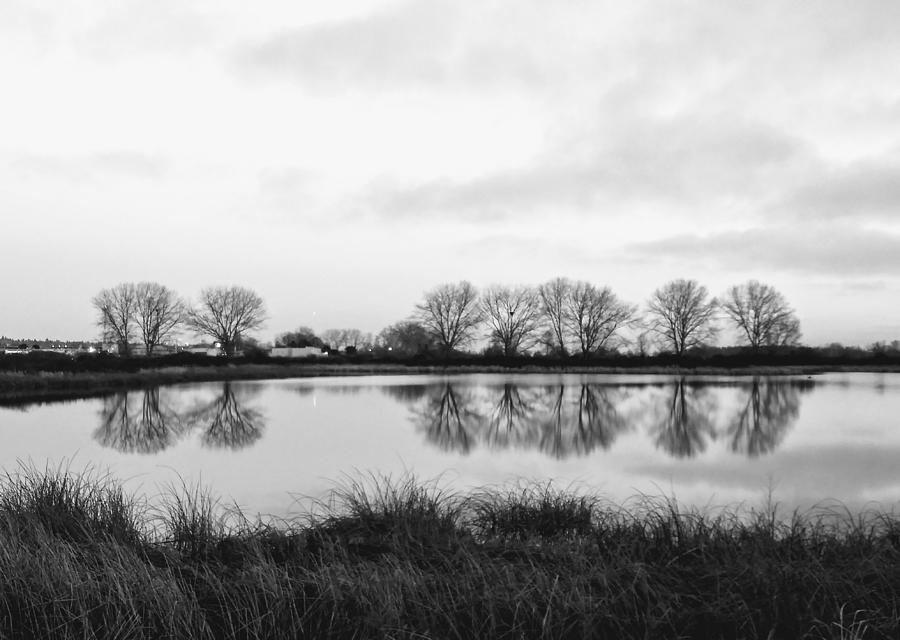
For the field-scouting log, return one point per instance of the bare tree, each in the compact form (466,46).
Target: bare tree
(682,315)
(513,316)
(158,310)
(553,303)
(644,341)
(342,339)
(593,315)
(451,314)
(785,333)
(225,314)
(117,308)
(762,314)
(334,338)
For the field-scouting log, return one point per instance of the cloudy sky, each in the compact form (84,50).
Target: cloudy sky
(342,157)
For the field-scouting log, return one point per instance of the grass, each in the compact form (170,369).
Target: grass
(400,558)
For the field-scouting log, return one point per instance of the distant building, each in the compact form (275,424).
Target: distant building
(297,352)
(206,349)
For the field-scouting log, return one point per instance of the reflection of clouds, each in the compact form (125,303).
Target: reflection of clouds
(683,420)
(851,472)
(140,422)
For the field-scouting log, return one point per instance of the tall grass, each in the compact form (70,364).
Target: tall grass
(399,558)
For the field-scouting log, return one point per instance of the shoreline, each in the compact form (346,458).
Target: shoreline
(17,386)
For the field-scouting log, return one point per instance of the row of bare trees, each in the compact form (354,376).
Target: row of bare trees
(150,313)
(561,315)
(568,316)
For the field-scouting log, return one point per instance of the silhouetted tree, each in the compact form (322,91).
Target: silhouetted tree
(594,315)
(346,338)
(785,333)
(682,315)
(644,341)
(513,316)
(451,314)
(159,312)
(554,295)
(299,337)
(762,314)
(225,314)
(117,308)
(405,338)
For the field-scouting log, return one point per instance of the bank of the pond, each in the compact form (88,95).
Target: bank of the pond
(403,559)
(22,386)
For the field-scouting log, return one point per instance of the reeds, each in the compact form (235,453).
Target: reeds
(399,558)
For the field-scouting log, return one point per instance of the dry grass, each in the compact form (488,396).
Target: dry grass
(399,558)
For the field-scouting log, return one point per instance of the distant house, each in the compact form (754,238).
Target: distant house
(297,352)
(206,349)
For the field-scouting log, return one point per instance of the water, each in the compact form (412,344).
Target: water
(707,441)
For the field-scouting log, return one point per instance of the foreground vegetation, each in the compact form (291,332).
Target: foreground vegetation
(403,559)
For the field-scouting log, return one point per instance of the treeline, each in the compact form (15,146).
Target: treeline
(555,321)
(563,318)
(150,313)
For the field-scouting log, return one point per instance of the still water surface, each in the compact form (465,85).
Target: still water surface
(704,440)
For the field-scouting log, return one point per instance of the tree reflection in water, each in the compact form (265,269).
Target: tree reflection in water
(511,411)
(579,422)
(447,417)
(153,426)
(559,420)
(770,407)
(228,423)
(684,421)
(138,422)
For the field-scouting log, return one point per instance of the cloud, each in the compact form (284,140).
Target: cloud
(409,43)
(131,27)
(681,106)
(676,161)
(108,164)
(835,249)
(867,190)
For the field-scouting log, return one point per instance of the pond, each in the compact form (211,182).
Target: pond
(267,446)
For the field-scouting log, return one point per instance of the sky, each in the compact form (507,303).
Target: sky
(342,158)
